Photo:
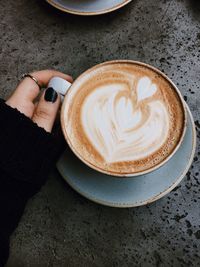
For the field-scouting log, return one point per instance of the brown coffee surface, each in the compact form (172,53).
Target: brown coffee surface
(122,118)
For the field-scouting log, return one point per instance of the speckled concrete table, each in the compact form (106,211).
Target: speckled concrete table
(59,227)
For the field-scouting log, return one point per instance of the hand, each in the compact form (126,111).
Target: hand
(44,111)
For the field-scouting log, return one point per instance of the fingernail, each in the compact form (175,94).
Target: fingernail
(50,95)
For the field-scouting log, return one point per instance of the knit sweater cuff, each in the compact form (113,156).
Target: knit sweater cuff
(27,151)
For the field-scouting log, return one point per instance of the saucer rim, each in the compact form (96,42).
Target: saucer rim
(71,11)
(152,199)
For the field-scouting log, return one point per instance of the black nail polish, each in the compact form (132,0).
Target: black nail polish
(50,95)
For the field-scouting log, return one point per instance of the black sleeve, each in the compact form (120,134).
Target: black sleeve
(27,153)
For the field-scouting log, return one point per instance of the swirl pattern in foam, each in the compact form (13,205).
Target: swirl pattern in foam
(119,128)
(123,118)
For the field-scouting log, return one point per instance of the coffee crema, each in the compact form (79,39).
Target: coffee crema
(123,118)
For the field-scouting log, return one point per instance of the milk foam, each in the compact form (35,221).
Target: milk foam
(118,123)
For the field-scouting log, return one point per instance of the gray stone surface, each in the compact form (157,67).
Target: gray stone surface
(59,227)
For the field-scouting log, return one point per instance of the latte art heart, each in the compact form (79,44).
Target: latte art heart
(123,118)
(121,130)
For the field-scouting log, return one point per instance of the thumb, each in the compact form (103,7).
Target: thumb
(46,110)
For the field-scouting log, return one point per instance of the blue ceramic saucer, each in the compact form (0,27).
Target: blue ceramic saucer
(130,192)
(88,7)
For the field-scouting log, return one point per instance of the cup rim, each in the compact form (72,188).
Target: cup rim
(117,174)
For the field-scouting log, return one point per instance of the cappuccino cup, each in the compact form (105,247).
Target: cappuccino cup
(123,118)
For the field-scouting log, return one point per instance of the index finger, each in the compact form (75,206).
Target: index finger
(44,76)
(27,90)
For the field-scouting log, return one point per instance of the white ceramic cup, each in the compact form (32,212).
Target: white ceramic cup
(62,86)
